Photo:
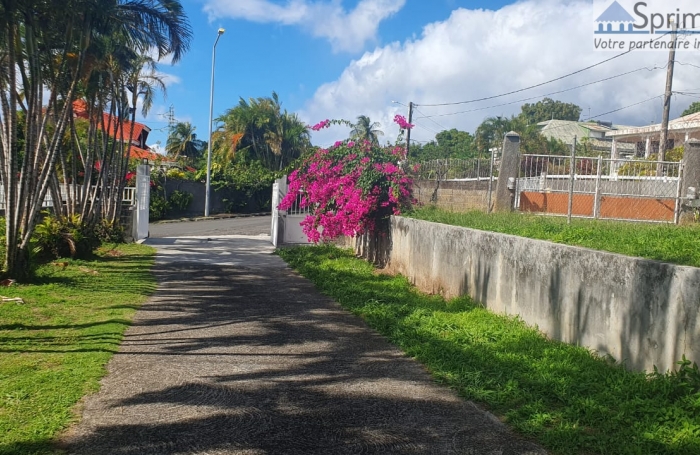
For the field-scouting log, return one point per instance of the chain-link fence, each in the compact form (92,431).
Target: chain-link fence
(455,169)
(457,184)
(601,188)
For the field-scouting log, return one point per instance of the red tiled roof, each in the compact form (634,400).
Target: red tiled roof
(80,110)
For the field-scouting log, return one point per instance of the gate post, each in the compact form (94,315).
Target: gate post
(690,179)
(508,172)
(143,200)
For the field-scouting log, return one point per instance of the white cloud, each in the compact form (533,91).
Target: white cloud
(346,30)
(478,53)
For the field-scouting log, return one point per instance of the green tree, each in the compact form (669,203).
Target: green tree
(549,109)
(47,51)
(366,130)
(259,129)
(182,142)
(692,109)
(447,144)
(492,131)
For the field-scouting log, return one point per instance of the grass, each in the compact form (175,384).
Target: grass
(54,347)
(661,242)
(563,396)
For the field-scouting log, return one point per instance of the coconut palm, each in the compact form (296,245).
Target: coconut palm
(183,142)
(365,129)
(259,129)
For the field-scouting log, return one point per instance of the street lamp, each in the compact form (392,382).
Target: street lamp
(211,120)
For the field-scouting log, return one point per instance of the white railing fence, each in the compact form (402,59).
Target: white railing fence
(635,190)
(128,197)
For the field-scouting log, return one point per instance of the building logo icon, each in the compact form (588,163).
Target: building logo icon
(616,21)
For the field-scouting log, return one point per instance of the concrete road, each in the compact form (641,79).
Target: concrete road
(236,354)
(255,225)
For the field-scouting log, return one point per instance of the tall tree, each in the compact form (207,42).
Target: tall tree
(260,130)
(549,109)
(46,46)
(367,130)
(182,142)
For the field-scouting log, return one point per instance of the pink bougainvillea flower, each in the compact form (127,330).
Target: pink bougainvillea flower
(401,121)
(349,190)
(320,125)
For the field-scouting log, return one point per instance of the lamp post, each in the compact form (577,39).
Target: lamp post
(211,121)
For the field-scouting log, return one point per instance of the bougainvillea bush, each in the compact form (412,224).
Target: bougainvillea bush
(351,188)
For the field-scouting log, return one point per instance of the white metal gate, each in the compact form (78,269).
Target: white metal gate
(286,224)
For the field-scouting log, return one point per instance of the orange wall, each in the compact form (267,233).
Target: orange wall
(610,206)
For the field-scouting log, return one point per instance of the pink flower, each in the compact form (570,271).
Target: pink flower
(401,121)
(320,125)
(351,144)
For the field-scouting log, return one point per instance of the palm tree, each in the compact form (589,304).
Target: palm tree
(365,129)
(183,142)
(260,129)
(52,45)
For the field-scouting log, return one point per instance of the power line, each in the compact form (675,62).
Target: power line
(547,94)
(540,84)
(428,117)
(426,128)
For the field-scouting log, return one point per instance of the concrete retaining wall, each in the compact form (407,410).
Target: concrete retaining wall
(641,312)
(222,200)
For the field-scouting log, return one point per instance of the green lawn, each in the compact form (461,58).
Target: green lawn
(563,396)
(54,347)
(662,242)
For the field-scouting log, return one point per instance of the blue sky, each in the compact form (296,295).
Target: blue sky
(341,59)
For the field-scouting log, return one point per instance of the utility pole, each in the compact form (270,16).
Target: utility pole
(667,97)
(171,119)
(408,130)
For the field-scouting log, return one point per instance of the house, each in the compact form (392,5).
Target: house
(645,139)
(138,136)
(594,133)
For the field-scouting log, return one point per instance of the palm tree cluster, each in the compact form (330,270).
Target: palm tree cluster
(52,53)
(259,129)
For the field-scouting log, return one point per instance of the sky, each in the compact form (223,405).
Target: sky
(338,59)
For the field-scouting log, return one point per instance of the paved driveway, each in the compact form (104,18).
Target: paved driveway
(237,354)
(254,225)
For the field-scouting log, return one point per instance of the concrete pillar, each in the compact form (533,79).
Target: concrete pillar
(691,177)
(647,148)
(510,167)
(613,157)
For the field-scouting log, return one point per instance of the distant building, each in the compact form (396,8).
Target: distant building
(645,139)
(594,133)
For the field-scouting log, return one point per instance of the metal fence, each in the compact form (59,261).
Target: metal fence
(128,197)
(600,188)
(455,169)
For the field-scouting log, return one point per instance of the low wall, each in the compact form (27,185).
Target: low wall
(610,206)
(641,312)
(456,196)
(222,200)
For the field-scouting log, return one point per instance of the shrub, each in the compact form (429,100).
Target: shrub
(64,237)
(179,200)
(351,188)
